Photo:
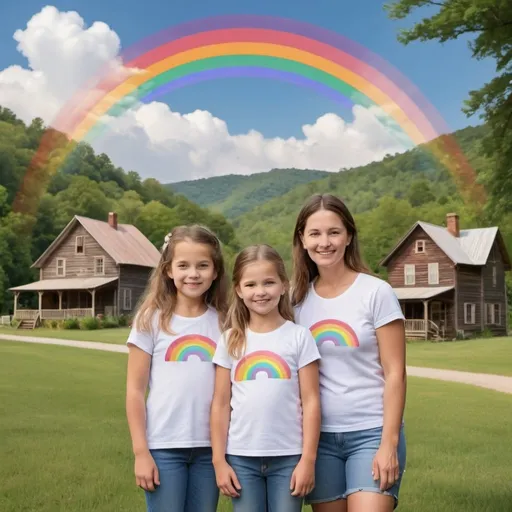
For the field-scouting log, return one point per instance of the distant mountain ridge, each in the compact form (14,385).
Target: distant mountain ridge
(235,194)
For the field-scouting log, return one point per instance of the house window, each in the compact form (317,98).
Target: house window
(79,245)
(469,313)
(127,299)
(494,275)
(433,273)
(420,246)
(61,267)
(99,265)
(409,274)
(493,314)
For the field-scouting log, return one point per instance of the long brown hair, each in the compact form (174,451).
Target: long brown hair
(304,268)
(161,293)
(238,314)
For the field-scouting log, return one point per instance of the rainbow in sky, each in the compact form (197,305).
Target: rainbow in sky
(252,46)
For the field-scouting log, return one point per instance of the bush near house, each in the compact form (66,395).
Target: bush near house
(88,323)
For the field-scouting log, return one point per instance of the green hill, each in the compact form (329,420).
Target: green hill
(387,197)
(233,194)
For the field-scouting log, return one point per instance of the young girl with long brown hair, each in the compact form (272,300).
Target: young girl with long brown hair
(265,415)
(358,325)
(171,346)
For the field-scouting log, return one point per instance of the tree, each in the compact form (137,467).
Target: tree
(82,197)
(489,24)
(128,207)
(420,193)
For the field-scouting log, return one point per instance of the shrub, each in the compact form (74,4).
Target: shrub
(71,323)
(89,323)
(109,322)
(123,321)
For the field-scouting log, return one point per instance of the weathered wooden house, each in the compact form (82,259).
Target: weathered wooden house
(450,282)
(92,267)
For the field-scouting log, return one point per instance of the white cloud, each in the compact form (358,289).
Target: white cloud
(63,54)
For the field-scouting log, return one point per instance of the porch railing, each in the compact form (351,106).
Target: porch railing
(53,314)
(420,326)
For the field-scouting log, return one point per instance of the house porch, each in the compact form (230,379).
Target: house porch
(429,312)
(60,299)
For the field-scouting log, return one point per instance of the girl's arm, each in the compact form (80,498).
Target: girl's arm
(227,480)
(139,363)
(303,478)
(391,340)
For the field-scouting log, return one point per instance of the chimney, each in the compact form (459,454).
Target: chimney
(112,220)
(452,224)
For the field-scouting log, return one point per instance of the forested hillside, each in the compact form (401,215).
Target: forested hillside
(86,184)
(233,194)
(386,197)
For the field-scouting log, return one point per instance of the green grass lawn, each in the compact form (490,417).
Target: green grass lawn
(65,443)
(492,355)
(116,335)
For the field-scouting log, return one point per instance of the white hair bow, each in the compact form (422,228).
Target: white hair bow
(167,239)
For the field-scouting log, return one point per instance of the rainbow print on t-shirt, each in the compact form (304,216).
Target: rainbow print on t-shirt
(334,332)
(181,349)
(262,361)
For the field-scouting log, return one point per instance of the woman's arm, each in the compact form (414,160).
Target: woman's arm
(219,426)
(303,478)
(391,340)
(139,363)
(310,397)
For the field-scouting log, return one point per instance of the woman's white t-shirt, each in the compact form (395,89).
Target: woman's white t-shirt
(266,415)
(181,380)
(351,375)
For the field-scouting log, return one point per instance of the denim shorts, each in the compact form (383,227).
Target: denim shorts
(187,481)
(344,465)
(265,483)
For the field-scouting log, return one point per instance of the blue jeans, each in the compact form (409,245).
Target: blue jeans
(187,481)
(344,465)
(265,483)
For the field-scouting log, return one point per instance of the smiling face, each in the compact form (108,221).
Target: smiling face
(325,238)
(260,287)
(192,269)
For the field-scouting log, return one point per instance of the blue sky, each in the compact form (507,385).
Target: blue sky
(444,74)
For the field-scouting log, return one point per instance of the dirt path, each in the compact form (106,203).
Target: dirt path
(484,380)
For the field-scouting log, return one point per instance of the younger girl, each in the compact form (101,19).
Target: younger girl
(170,348)
(266,406)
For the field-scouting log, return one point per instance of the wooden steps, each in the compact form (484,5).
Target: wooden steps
(28,324)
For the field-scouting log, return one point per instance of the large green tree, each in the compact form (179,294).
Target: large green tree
(488,24)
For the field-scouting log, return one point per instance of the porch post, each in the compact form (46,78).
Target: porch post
(425,317)
(40,305)
(93,293)
(60,300)
(16,295)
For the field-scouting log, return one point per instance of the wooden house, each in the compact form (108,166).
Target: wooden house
(92,267)
(450,282)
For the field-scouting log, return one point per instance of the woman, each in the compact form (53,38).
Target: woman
(358,325)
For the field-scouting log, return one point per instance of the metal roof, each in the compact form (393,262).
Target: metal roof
(477,243)
(449,244)
(420,293)
(472,247)
(74,283)
(126,245)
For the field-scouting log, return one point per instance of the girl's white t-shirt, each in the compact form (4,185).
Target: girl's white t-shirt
(266,410)
(351,374)
(181,381)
